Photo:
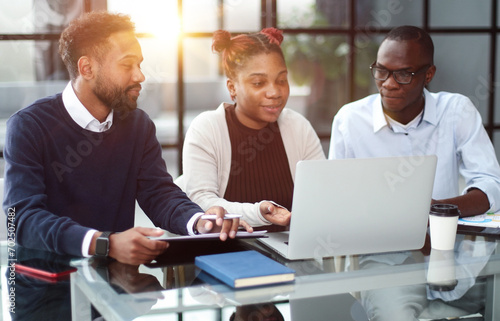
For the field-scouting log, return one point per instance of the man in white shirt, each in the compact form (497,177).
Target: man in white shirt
(406,119)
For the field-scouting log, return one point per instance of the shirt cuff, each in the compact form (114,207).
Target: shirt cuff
(86,243)
(190,225)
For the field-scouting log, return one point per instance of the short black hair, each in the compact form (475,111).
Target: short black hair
(88,34)
(404,33)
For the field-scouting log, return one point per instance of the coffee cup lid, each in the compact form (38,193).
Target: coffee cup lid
(444,210)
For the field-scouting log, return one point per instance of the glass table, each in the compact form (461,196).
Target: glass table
(423,284)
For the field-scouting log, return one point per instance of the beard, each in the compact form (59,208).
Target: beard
(115,97)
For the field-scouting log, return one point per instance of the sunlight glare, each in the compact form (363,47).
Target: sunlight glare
(165,28)
(155,17)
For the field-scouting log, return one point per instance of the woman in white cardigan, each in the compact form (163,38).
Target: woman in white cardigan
(242,156)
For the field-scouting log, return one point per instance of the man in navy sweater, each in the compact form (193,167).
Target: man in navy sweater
(76,162)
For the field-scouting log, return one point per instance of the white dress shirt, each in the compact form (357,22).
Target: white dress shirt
(450,128)
(81,115)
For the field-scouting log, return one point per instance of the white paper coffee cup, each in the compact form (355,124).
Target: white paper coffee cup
(443,219)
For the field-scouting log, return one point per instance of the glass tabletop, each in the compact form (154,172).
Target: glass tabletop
(423,284)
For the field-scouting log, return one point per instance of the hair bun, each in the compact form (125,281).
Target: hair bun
(221,40)
(274,35)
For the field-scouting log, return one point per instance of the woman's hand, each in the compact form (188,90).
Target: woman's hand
(275,214)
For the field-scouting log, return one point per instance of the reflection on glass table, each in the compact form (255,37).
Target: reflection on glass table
(453,287)
(418,285)
(33,296)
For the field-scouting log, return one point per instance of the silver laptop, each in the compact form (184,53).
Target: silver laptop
(357,206)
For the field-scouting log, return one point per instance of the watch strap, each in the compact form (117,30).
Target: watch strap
(106,234)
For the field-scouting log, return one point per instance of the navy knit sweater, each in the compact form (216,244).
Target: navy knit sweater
(61,180)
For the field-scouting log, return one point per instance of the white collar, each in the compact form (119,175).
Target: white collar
(399,127)
(81,115)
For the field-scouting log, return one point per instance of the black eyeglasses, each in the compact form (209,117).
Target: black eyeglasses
(402,77)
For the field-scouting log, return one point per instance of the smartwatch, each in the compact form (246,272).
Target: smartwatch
(102,244)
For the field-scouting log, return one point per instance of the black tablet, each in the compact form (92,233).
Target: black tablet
(493,232)
(208,236)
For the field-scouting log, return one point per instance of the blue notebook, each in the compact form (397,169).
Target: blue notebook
(244,269)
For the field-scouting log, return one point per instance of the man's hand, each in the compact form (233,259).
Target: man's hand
(133,246)
(226,227)
(474,202)
(275,214)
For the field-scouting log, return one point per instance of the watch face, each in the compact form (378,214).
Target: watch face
(101,247)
